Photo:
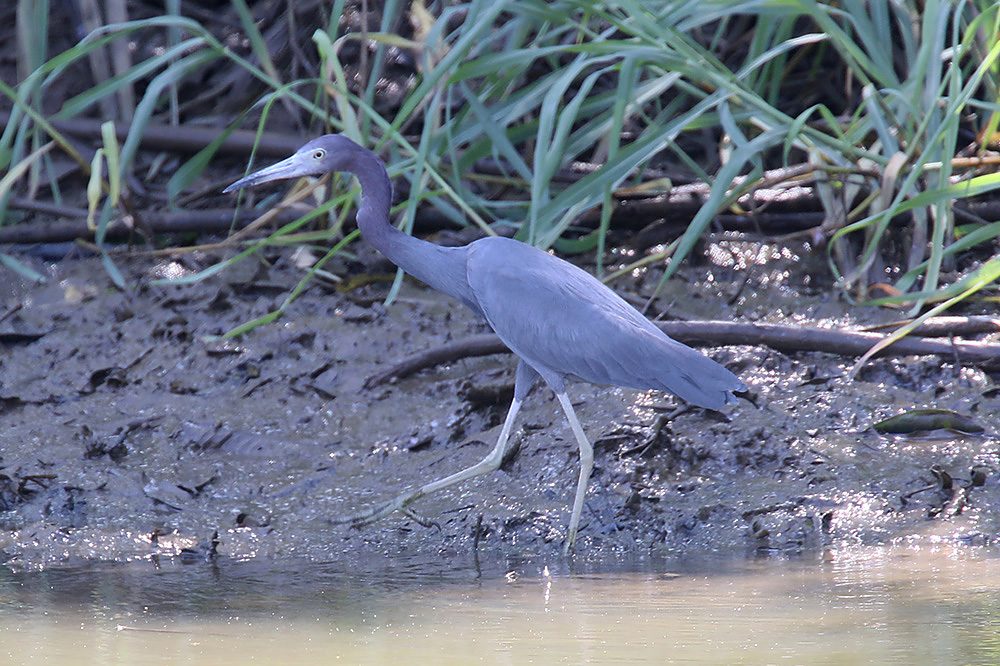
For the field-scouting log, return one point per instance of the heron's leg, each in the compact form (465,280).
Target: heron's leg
(524,380)
(586,467)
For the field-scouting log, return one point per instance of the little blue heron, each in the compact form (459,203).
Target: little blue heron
(561,322)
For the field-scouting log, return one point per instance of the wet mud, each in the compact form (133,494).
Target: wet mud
(129,429)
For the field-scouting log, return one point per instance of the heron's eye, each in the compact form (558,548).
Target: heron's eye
(319,154)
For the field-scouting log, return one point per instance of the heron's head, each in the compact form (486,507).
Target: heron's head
(328,153)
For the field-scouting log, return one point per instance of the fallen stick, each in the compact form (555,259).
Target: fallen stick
(208,221)
(706,333)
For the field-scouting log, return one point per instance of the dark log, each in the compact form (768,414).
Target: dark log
(713,333)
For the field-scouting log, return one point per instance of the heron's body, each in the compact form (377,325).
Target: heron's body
(517,291)
(558,319)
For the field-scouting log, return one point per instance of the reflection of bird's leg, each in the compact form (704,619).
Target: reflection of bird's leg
(524,380)
(586,467)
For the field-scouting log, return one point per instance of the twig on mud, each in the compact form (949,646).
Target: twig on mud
(476,345)
(209,221)
(846,343)
(778,337)
(14,308)
(941,327)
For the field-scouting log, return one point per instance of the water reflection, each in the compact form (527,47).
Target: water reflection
(889,606)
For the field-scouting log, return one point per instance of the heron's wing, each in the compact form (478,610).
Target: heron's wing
(559,318)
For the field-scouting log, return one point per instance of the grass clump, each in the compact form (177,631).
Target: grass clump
(540,116)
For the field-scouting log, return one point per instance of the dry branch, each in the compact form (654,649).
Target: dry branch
(212,221)
(706,333)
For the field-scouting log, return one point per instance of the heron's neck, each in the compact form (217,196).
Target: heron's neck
(442,268)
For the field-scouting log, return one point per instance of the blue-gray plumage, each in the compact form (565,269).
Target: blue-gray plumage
(560,321)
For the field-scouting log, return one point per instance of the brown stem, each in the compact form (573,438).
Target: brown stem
(697,333)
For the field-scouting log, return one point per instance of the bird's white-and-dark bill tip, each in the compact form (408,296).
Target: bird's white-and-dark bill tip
(288,168)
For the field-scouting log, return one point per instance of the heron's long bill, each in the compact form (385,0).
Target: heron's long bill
(291,167)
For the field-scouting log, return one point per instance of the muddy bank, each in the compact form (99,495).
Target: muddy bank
(129,429)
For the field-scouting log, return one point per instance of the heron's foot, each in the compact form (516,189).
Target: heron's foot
(379,512)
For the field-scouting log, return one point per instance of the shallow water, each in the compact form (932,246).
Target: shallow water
(935,605)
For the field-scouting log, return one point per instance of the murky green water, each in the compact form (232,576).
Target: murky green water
(927,605)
